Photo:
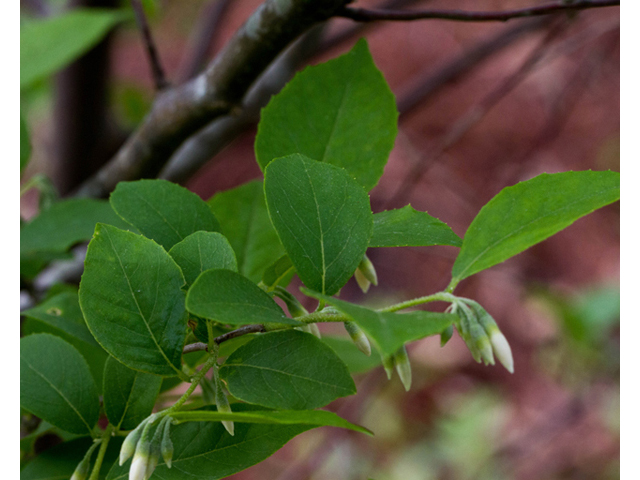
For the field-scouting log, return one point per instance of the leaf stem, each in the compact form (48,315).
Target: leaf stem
(436,297)
(106,436)
(195,381)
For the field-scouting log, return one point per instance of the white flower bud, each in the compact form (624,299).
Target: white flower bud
(403,367)
(130,442)
(387,363)
(502,349)
(138,468)
(166,446)
(363,282)
(222,403)
(82,470)
(368,271)
(313,329)
(359,338)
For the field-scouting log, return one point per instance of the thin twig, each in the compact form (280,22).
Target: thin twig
(199,346)
(208,26)
(159,78)
(366,15)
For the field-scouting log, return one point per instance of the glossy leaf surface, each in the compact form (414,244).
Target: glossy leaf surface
(322,217)
(56,384)
(228,297)
(529,212)
(202,251)
(340,112)
(245,222)
(132,300)
(288,370)
(129,395)
(408,227)
(162,211)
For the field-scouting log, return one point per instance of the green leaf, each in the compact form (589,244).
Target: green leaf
(162,211)
(287,370)
(529,212)
(390,331)
(25,144)
(354,359)
(205,451)
(65,224)
(317,418)
(323,219)
(50,44)
(279,273)
(245,222)
(340,112)
(129,395)
(131,298)
(202,251)
(228,297)
(59,462)
(61,315)
(407,227)
(56,384)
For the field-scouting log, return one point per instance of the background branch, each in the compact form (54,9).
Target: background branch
(157,71)
(365,15)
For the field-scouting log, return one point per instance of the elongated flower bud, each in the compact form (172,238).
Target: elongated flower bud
(313,328)
(208,391)
(498,342)
(359,338)
(470,330)
(166,447)
(130,442)
(403,367)
(222,402)
(388,364)
(362,281)
(138,469)
(502,349)
(82,470)
(368,271)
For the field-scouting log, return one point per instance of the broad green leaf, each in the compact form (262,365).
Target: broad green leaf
(205,451)
(60,461)
(56,384)
(390,331)
(287,370)
(61,315)
(340,112)
(129,395)
(407,227)
(65,224)
(245,222)
(202,251)
(529,212)
(50,44)
(131,298)
(32,263)
(317,418)
(354,359)
(25,144)
(162,211)
(279,273)
(323,219)
(228,297)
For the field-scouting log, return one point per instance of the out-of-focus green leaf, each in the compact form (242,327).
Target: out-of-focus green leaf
(25,144)
(50,44)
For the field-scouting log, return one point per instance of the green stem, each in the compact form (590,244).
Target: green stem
(436,297)
(195,380)
(317,317)
(106,436)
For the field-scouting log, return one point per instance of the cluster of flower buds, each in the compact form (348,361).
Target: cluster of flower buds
(82,470)
(146,449)
(366,274)
(481,334)
(399,361)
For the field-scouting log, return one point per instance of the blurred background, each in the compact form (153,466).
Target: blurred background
(482,106)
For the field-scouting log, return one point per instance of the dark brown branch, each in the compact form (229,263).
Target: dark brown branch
(179,112)
(209,24)
(159,78)
(238,332)
(366,15)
